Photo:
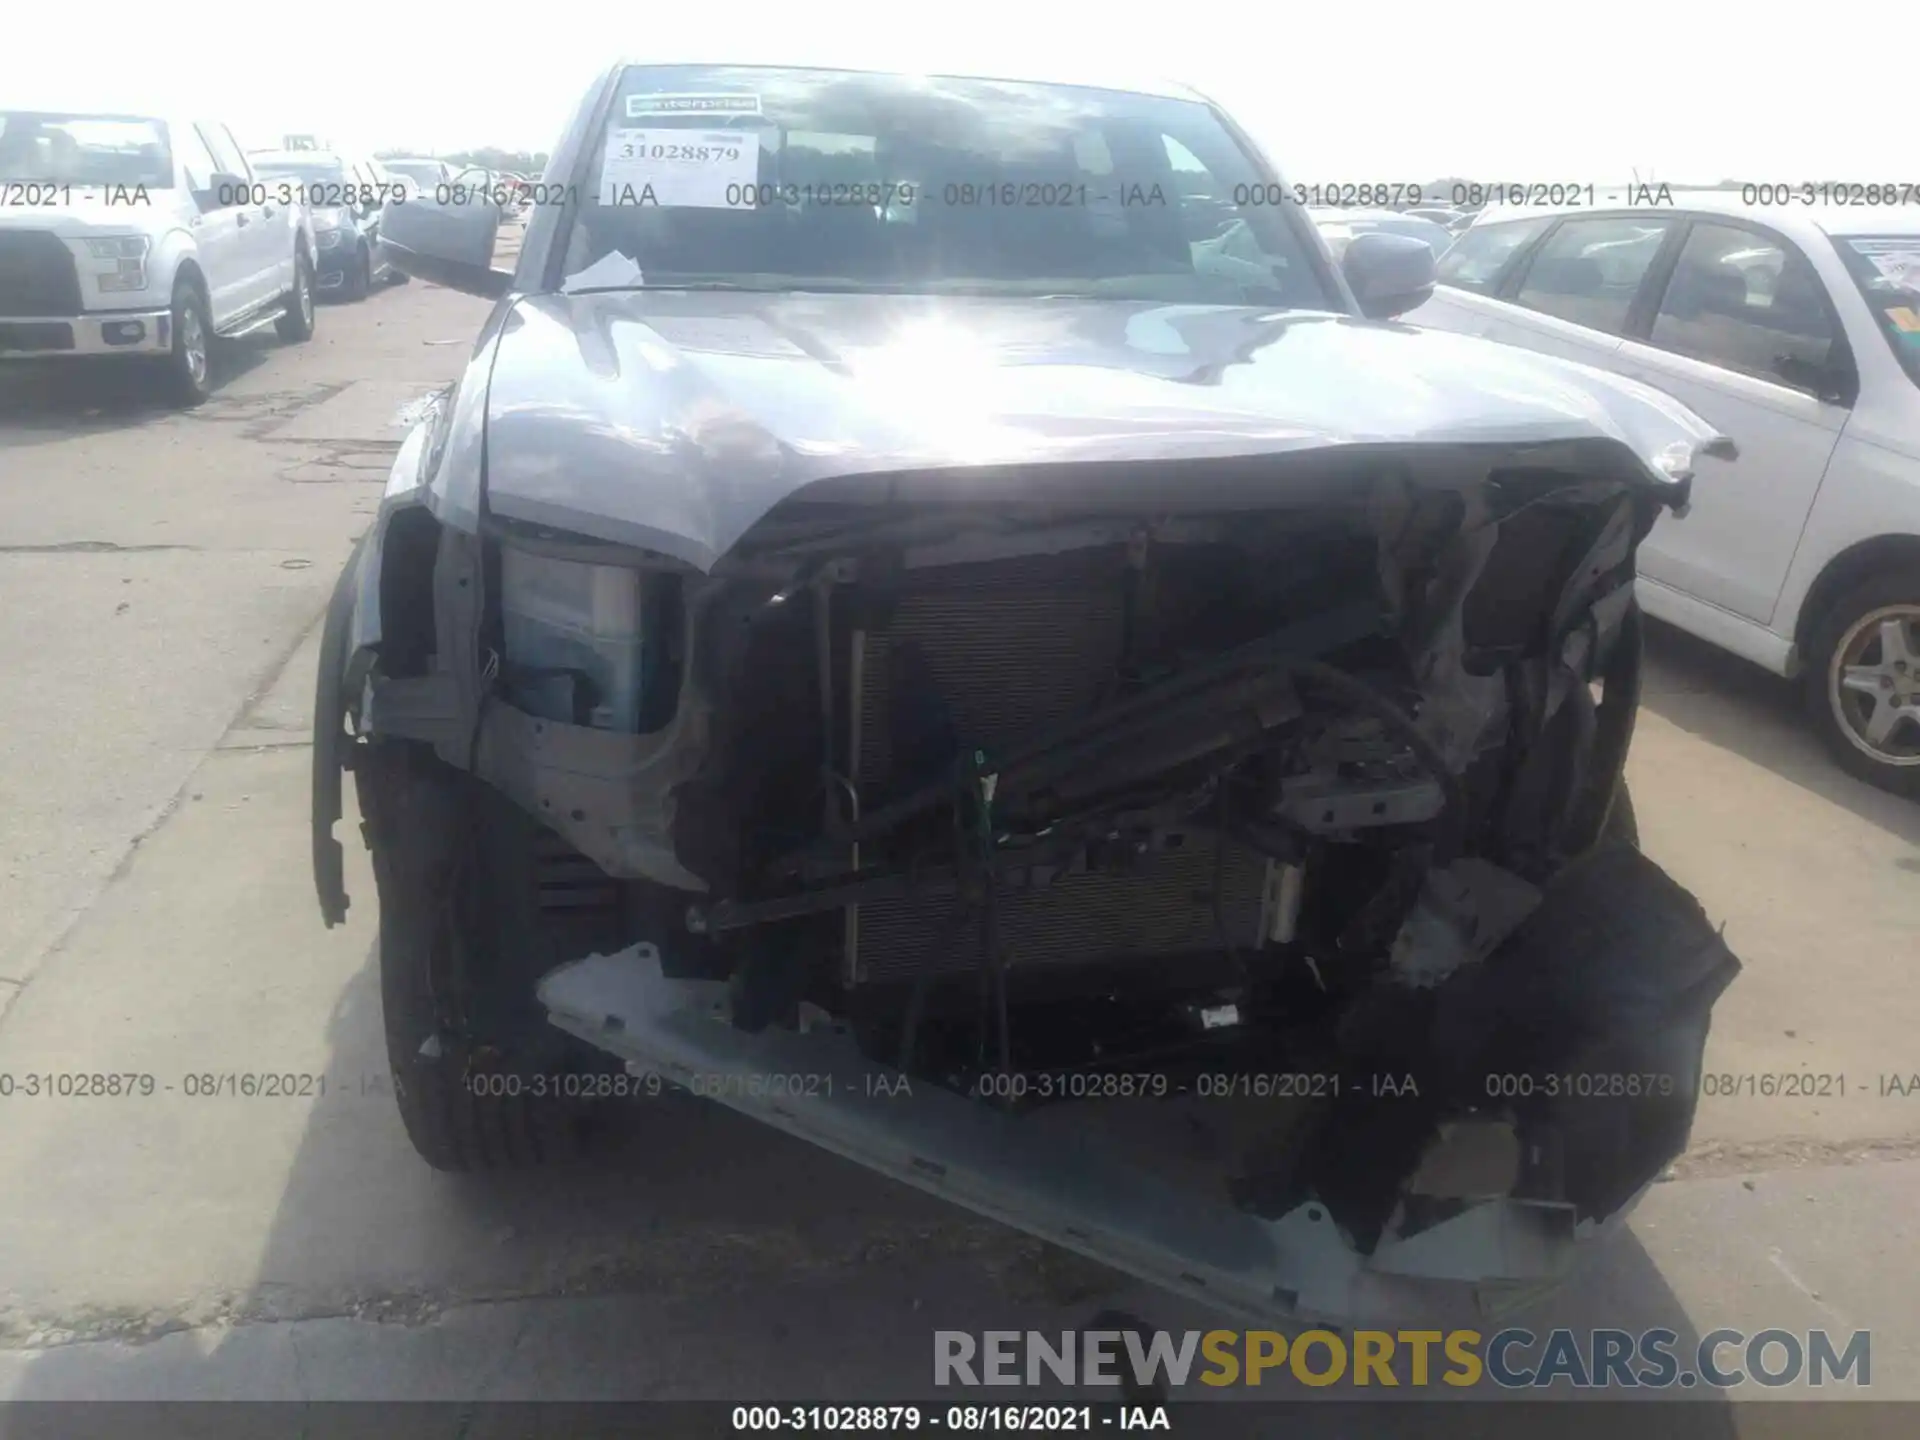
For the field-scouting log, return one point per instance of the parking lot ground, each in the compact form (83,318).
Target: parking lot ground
(162,577)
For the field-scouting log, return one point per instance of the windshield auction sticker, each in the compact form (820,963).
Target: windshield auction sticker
(1897,258)
(642,106)
(677,167)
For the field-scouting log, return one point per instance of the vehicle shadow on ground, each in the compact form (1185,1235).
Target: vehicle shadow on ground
(338,296)
(699,1256)
(1758,716)
(42,404)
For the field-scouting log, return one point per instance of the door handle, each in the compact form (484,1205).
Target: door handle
(241,219)
(267,210)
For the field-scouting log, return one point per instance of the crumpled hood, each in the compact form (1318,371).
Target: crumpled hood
(677,419)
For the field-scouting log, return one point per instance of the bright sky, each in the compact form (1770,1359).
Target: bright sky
(1520,90)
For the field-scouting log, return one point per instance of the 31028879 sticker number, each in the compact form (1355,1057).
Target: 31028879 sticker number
(675,166)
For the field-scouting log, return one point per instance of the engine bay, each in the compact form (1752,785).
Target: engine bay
(1103,794)
(1275,820)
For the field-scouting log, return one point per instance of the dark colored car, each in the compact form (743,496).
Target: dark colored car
(904,630)
(346,196)
(1340,226)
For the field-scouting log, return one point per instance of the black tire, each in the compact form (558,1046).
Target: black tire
(460,954)
(186,371)
(1847,623)
(359,282)
(296,324)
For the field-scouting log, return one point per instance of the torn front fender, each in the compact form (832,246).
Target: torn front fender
(350,630)
(331,753)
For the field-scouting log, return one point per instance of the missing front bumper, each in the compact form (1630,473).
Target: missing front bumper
(1074,1185)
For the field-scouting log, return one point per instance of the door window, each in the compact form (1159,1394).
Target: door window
(226,155)
(1475,260)
(1589,271)
(1744,300)
(234,149)
(197,166)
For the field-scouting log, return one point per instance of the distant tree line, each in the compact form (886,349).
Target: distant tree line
(532,163)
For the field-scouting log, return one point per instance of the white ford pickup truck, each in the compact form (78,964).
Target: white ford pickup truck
(142,236)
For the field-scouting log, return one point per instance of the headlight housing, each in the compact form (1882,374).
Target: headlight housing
(326,239)
(118,247)
(120,262)
(578,637)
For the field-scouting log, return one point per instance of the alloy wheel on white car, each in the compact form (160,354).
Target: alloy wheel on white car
(193,345)
(185,369)
(1873,685)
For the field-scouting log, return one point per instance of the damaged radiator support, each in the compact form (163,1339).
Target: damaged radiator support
(1067,1185)
(990,656)
(1425,1205)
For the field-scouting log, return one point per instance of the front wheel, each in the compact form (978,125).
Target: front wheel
(186,368)
(1863,680)
(296,322)
(479,1075)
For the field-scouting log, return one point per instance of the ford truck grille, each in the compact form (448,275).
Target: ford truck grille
(37,275)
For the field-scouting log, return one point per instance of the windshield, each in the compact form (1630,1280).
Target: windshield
(422,172)
(84,149)
(813,179)
(1887,270)
(300,167)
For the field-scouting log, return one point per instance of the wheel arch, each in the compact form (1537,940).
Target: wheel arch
(1844,571)
(188,268)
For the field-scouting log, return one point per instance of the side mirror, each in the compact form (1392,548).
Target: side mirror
(1388,274)
(450,244)
(223,190)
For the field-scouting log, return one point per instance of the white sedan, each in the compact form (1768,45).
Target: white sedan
(1797,333)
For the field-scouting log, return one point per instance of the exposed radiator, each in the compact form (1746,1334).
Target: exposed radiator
(1012,647)
(1164,908)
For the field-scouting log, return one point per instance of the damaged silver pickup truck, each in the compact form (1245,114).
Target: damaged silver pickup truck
(937,616)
